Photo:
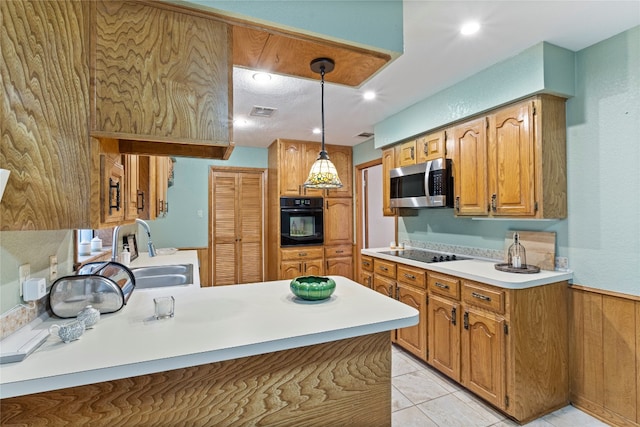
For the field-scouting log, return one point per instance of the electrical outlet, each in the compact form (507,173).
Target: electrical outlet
(53,268)
(562,263)
(24,272)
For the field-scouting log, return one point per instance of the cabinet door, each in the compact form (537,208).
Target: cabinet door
(224,228)
(388,163)
(45,117)
(147,183)
(341,266)
(338,221)
(406,154)
(313,267)
(470,170)
(290,269)
(430,147)
(131,192)
(342,160)
(511,161)
(161,185)
(483,348)
(160,73)
(385,286)
(112,189)
(250,216)
(366,278)
(444,336)
(291,168)
(413,338)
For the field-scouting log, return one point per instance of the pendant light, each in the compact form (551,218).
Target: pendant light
(323,173)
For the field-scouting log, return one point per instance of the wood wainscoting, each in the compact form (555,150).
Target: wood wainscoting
(604,354)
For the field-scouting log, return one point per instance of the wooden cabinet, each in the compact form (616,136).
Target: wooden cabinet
(294,162)
(160,75)
(388,163)
(341,157)
(339,260)
(163,167)
(444,335)
(366,271)
(406,153)
(55,168)
(112,190)
(302,261)
(237,208)
(338,222)
(132,200)
(431,146)
(513,161)
(470,168)
(411,290)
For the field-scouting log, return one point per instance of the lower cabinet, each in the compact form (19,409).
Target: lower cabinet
(303,261)
(508,346)
(339,260)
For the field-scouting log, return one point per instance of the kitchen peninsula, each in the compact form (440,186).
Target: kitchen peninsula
(232,355)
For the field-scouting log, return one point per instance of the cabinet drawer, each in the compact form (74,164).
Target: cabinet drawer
(483,296)
(384,268)
(301,253)
(337,251)
(366,263)
(411,276)
(444,285)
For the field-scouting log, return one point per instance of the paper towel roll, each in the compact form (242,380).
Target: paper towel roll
(4,177)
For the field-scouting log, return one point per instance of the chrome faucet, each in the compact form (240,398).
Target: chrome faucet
(116,237)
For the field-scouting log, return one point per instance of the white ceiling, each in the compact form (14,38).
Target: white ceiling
(436,56)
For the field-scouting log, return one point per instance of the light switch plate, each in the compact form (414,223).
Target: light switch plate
(53,268)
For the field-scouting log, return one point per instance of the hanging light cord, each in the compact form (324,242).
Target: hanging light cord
(322,106)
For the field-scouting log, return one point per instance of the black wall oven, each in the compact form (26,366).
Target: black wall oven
(301,221)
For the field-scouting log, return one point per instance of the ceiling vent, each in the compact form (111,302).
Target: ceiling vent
(365,135)
(262,111)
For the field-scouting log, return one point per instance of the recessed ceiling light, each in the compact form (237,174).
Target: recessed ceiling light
(317,131)
(369,95)
(469,28)
(240,123)
(261,77)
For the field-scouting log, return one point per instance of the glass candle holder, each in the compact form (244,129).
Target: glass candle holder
(164,307)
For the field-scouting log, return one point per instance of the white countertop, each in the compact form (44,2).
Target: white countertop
(211,324)
(479,270)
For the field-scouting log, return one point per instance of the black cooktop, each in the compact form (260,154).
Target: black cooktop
(424,256)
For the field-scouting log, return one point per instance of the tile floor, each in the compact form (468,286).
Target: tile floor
(423,397)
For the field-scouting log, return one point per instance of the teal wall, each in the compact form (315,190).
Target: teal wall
(368,23)
(541,68)
(366,152)
(182,227)
(601,236)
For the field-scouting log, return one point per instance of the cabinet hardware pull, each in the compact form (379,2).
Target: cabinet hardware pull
(305,267)
(302,254)
(339,252)
(300,267)
(453,316)
(383,268)
(440,285)
(366,263)
(466,320)
(494,196)
(480,296)
(114,186)
(410,276)
(327,264)
(458,204)
(412,154)
(140,201)
(327,204)
(390,291)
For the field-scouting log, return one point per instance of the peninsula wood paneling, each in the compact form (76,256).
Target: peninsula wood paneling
(605,350)
(340,383)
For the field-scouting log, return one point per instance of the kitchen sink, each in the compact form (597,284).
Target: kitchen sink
(163,275)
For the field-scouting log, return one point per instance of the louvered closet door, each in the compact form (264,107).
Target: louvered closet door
(224,228)
(237,228)
(250,215)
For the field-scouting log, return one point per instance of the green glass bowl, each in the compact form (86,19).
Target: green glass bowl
(312,288)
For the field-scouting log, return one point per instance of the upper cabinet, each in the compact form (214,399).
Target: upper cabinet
(512,162)
(388,163)
(161,79)
(342,159)
(431,146)
(45,136)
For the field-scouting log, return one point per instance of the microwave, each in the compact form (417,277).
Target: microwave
(425,185)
